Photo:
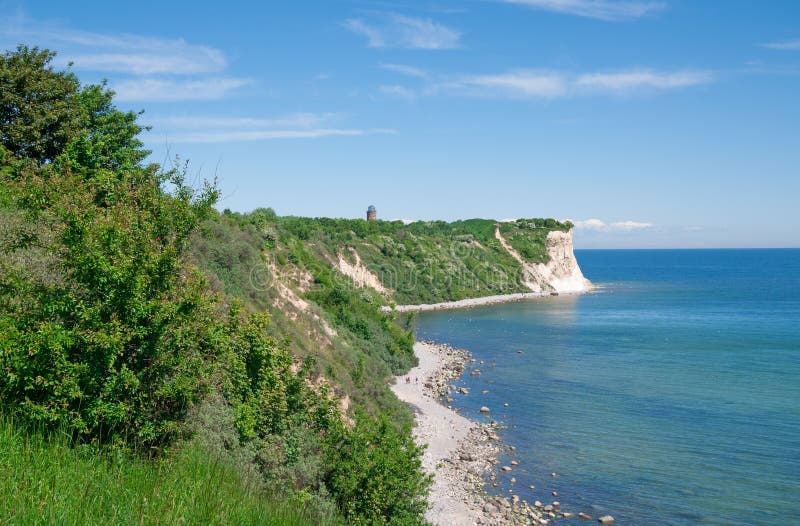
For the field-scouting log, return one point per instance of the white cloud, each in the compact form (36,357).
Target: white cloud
(608,10)
(786,45)
(424,33)
(627,226)
(549,85)
(127,53)
(599,225)
(217,129)
(402,69)
(294,120)
(144,68)
(161,90)
(374,36)
(516,84)
(625,81)
(398,91)
(261,135)
(405,32)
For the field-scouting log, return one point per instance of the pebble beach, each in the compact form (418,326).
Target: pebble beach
(462,454)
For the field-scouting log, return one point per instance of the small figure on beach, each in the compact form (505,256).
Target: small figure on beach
(408,379)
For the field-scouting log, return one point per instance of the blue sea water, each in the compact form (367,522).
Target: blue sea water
(669,396)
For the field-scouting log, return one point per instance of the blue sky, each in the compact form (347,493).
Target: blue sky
(649,123)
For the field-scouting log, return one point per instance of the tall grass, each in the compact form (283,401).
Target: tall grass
(45,481)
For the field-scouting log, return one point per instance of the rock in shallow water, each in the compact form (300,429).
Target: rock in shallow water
(606,519)
(484,409)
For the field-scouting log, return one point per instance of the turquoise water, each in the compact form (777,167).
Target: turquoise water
(670,396)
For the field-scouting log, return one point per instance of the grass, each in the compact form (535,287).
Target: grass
(45,481)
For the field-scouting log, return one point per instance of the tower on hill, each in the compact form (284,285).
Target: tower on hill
(372,214)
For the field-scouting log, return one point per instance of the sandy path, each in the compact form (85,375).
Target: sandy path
(442,429)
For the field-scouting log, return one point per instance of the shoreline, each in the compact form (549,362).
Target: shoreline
(480,301)
(461,454)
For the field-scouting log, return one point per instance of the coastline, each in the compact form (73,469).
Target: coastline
(460,452)
(475,302)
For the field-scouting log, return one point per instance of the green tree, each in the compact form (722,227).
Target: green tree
(39,110)
(109,137)
(45,113)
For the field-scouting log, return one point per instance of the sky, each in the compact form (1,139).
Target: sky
(648,123)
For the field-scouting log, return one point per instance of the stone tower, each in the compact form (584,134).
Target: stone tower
(372,214)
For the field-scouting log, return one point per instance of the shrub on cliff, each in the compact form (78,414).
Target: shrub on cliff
(102,328)
(375,474)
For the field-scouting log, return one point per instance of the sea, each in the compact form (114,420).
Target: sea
(668,396)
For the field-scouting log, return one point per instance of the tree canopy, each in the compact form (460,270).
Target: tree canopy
(45,113)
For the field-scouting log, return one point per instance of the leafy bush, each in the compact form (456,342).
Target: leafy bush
(375,474)
(112,335)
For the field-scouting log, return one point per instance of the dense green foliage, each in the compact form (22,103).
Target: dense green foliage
(46,481)
(369,463)
(105,332)
(110,335)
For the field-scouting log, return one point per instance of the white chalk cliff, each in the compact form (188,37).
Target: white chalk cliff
(560,274)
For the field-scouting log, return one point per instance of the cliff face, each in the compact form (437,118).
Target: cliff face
(560,274)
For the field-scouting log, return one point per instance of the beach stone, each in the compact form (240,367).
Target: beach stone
(505,405)
(567,515)
(548,508)
(506,468)
(464,390)
(485,391)
(584,516)
(555,494)
(484,409)
(538,504)
(489,508)
(532,487)
(513,481)
(514,462)
(606,519)
(554,474)
(556,504)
